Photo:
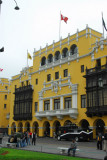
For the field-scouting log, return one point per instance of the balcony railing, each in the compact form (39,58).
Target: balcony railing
(96,111)
(27,116)
(72,112)
(96,69)
(24,88)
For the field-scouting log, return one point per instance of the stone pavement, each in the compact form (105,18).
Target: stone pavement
(50,145)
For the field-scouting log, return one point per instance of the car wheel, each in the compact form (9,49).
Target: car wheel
(59,139)
(77,139)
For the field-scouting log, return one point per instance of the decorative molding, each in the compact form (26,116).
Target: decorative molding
(54,85)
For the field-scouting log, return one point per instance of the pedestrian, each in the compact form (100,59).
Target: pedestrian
(28,138)
(33,138)
(72,147)
(99,141)
(105,141)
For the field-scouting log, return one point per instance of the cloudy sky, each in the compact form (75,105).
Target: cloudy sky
(37,23)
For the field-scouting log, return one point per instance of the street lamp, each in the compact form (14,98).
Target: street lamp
(0,2)
(16,8)
(2,49)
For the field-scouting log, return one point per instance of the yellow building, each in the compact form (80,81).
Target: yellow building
(4,104)
(66,84)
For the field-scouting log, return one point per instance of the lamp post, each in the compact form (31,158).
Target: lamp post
(16,8)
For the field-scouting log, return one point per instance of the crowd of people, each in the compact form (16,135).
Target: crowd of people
(23,139)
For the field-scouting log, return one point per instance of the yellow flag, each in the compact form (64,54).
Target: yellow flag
(29,56)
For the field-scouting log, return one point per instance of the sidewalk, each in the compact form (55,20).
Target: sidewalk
(50,145)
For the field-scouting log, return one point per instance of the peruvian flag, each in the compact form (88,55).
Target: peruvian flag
(64,18)
(1,69)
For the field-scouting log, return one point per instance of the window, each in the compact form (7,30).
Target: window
(73,49)
(67,102)
(36,106)
(5,106)
(83,101)
(50,58)
(56,75)
(57,55)
(43,61)
(56,104)
(82,68)
(5,97)
(49,77)
(65,52)
(6,87)
(46,105)
(98,63)
(36,81)
(66,73)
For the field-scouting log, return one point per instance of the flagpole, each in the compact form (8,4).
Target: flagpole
(27,58)
(102,25)
(59,25)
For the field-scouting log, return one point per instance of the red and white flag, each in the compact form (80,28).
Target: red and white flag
(64,18)
(1,69)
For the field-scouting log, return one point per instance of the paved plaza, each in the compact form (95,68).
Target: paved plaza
(50,145)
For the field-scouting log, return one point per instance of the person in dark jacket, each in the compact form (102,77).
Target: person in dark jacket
(99,141)
(72,147)
(33,138)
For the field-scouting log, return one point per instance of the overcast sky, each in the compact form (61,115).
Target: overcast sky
(37,23)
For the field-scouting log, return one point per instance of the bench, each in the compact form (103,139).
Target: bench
(63,150)
(11,144)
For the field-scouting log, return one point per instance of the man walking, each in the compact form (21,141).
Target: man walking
(99,141)
(33,138)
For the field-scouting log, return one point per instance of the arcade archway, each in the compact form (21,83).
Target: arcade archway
(46,127)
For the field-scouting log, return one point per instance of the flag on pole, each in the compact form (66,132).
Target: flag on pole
(29,56)
(64,18)
(104,25)
(2,49)
(1,69)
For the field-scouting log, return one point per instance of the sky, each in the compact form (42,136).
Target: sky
(37,24)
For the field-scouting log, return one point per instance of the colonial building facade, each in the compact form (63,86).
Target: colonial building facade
(4,104)
(66,84)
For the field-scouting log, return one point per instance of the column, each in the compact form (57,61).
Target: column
(51,106)
(41,131)
(40,105)
(74,96)
(61,102)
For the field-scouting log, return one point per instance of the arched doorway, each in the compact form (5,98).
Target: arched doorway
(27,126)
(56,126)
(36,128)
(13,128)
(46,129)
(20,127)
(100,126)
(85,125)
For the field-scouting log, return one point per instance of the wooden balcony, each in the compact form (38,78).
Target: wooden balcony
(96,111)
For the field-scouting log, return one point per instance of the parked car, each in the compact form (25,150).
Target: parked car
(69,133)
